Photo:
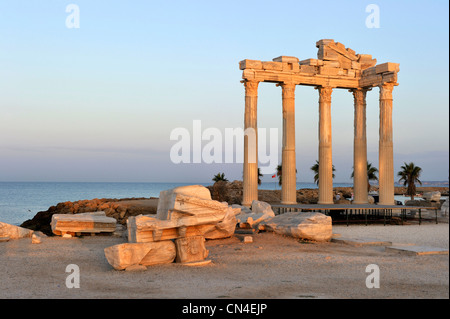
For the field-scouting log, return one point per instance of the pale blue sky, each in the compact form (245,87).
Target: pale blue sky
(98,103)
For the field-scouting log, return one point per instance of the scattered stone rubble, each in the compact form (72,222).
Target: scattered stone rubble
(186,216)
(8,232)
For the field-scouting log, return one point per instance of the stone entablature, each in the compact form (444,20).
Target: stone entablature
(335,67)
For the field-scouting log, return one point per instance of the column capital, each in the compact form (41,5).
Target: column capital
(288,89)
(363,89)
(386,90)
(359,95)
(251,87)
(324,93)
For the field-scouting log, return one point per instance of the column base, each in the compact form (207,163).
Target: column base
(387,203)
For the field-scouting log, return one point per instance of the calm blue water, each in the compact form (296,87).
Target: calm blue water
(20,201)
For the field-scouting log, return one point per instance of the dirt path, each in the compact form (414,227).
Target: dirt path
(272,266)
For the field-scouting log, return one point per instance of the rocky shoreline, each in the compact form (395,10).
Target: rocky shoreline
(230,192)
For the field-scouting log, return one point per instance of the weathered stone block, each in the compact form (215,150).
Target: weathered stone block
(145,228)
(277,66)
(324,70)
(14,232)
(96,222)
(387,67)
(356,65)
(146,254)
(190,249)
(290,66)
(288,59)
(309,62)
(190,205)
(250,64)
(332,64)
(309,226)
(308,69)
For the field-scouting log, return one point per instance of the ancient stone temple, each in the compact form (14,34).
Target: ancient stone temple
(336,67)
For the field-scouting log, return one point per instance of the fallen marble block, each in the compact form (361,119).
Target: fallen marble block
(191,249)
(308,226)
(259,207)
(190,205)
(123,256)
(76,224)
(146,228)
(14,232)
(224,228)
(243,209)
(261,211)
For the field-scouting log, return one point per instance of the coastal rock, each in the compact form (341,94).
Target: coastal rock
(312,226)
(14,232)
(125,255)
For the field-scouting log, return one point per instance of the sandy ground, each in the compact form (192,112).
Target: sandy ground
(271,267)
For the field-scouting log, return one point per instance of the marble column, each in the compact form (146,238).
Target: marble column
(386,150)
(288,173)
(325,150)
(360,182)
(250,179)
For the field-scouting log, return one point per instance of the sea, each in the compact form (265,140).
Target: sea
(20,201)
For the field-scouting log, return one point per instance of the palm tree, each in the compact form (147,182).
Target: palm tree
(219,177)
(315,169)
(409,175)
(280,173)
(371,174)
(259,175)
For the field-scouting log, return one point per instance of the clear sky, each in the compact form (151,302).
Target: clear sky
(98,102)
